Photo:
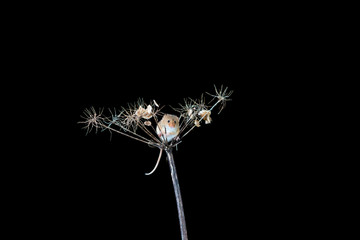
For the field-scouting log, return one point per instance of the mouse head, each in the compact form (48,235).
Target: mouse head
(171,120)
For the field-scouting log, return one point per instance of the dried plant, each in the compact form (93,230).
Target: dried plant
(140,121)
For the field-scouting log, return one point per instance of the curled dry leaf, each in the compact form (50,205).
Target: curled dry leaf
(144,113)
(205,114)
(197,123)
(140,112)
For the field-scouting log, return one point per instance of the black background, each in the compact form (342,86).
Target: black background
(241,175)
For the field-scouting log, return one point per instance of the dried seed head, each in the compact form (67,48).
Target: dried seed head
(205,114)
(197,123)
(147,123)
(222,95)
(188,110)
(140,112)
(144,113)
(148,112)
(92,119)
(129,119)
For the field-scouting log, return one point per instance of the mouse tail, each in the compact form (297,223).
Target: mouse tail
(156,165)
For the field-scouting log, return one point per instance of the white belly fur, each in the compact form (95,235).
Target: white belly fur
(167,133)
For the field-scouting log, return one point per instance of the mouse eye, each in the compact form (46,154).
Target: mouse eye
(168,121)
(175,122)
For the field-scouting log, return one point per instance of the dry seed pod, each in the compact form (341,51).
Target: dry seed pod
(140,112)
(205,114)
(190,113)
(148,112)
(144,113)
(197,123)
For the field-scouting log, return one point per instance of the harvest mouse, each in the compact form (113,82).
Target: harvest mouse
(167,129)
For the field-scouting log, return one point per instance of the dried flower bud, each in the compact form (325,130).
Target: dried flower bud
(197,123)
(140,112)
(147,123)
(190,113)
(148,112)
(205,114)
(144,113)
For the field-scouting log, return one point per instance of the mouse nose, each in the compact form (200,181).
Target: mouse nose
(172,124)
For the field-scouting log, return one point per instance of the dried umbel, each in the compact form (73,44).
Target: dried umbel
(148,124)
(146,116)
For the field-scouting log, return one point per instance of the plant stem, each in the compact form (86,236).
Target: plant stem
(177,194)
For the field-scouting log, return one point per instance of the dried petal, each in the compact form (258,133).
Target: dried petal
(190,113)
(144,113)
(205,114)
(147,113)
(197,123)
(140,112)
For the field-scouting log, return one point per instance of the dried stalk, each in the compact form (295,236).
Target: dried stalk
(176,186)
